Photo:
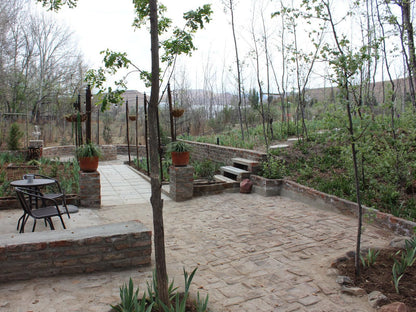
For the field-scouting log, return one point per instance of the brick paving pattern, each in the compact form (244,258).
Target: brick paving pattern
(253,253)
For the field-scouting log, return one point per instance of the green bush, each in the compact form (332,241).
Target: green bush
(14,137)
(205,169)
(274,168)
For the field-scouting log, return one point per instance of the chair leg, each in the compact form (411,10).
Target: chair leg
(22,227)
(34,225)
(22,217)
(66,207)
(62,221)
(50,223)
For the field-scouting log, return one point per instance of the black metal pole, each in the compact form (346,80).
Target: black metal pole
(127,130)
(172,132)
(145,134)
(160,149)
(88,112)
(137,130)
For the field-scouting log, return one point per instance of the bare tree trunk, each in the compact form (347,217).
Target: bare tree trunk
(238,69)
(156,199)
(259,82)
(408,28)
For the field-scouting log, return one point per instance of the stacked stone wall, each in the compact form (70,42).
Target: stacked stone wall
(83,250)
(123,150)
(58,151)
(222,154)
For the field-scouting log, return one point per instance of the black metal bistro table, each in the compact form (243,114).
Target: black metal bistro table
(35,183)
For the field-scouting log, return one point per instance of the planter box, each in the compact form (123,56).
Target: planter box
(202,188)
(266,187)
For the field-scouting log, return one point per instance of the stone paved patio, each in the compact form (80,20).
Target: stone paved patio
(253,253)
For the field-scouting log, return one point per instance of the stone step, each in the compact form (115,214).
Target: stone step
(278,146)
(221,178)
(245,164)
(235,173)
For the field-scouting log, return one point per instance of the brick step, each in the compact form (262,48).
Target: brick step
(235,173)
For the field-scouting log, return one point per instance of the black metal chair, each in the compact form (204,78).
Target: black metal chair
(57,192)
(37,206)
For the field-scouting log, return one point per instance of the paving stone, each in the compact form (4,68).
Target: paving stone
(309,300)
(254,253)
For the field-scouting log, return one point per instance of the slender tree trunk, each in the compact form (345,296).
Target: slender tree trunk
(156,199)
(408,28)
(343,84)
(238,69)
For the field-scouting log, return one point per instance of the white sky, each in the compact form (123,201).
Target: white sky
(102,24)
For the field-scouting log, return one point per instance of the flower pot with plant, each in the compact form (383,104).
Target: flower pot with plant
(88,155)
(180,153)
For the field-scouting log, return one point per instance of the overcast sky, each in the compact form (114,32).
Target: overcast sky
(102,24)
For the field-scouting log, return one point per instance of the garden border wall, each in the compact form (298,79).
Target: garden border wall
(310,196)
(222,154)
(81,250)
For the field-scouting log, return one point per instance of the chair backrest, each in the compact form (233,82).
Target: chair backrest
(41,176)
(26,199)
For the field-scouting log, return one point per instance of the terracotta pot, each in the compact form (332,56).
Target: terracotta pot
(180,159)
(88,164)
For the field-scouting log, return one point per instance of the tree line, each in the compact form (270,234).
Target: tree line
(40,67)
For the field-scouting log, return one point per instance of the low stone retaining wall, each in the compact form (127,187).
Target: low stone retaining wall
(83,250)
(310,196)
(58,151)
(222,154)
(109,152)
(124,150)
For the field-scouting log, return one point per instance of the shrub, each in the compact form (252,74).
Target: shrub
(205,169)
(273,168)
(14,137)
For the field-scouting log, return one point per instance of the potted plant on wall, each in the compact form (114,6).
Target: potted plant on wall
(88,155)
(180,153)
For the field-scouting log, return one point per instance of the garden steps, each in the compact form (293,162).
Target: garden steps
(278,146)
(221,178)
(246,164)
(234,173)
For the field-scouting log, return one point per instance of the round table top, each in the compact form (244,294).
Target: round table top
(34,183)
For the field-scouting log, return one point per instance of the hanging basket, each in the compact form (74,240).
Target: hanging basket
(132,117)
(177,112)
(74,117)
